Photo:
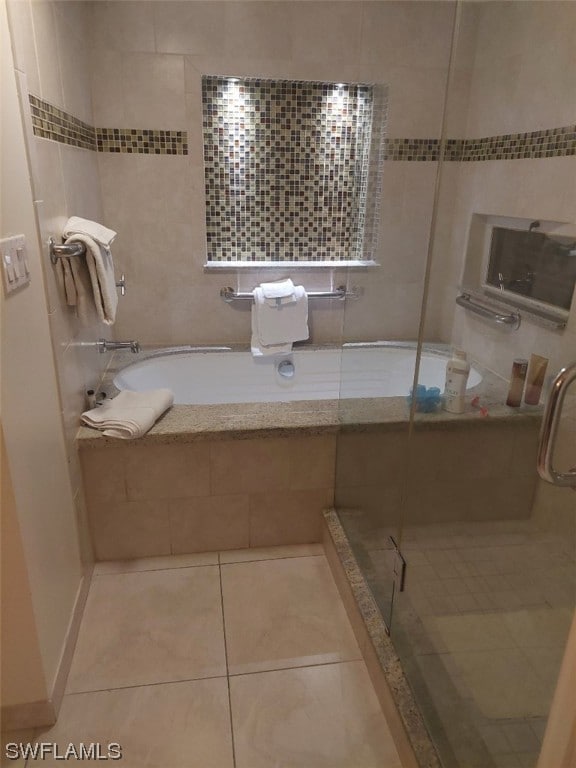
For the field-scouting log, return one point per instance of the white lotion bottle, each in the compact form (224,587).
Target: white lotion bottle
(457,370)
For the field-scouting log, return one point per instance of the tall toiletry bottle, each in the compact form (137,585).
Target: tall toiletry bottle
(457,370)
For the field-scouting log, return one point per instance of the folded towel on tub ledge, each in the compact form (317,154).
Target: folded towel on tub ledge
(275,327)
(130,414)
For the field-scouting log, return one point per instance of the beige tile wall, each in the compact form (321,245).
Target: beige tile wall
(147,61)
(209,495)
(519,61)
(456,474)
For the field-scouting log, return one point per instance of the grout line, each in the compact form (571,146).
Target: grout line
(299,666)
(145,685)
(270,559)
(153,570)
(227,667)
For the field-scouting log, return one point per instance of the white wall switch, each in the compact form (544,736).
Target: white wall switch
(14,263)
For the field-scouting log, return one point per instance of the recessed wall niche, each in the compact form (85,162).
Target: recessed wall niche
(292,170)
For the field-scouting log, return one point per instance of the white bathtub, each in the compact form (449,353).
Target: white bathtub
(202,378)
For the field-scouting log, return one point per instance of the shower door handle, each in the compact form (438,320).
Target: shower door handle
(549,430)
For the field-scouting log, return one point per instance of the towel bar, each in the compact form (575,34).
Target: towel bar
(65,250)
(229,294)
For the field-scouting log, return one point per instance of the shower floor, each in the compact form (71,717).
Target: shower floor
(480,629)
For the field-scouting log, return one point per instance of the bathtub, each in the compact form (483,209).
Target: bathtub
(199,377)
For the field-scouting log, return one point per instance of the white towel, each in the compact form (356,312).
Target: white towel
(130,414)
(78,226)
(278,289)
(78,287)
(279,292)
(101,269)
(274,328)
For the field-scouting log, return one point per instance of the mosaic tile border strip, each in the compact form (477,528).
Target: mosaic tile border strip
(389,660)
(142,141)
(49,122)
(419,150)
(551,142)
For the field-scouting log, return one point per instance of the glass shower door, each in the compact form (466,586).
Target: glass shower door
(489,594)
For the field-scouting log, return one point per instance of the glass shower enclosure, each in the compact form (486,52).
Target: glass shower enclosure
(469,554)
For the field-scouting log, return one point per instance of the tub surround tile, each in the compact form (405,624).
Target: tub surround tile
(183,725)
(210,523)
(311,717)
(170,472)
(298,619)
(249,466)
(281,517)
(129,529)
(150,627)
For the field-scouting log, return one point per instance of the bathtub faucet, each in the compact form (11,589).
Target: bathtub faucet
(109,346)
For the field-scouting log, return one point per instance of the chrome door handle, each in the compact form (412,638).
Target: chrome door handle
(549,430)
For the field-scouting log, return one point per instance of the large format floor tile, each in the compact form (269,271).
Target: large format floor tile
(317,717)
(180,725)
(284,613)
(150,627)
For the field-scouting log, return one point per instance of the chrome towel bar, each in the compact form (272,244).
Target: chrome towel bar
(67,250)
(512,319)
(229,294)
(64,250)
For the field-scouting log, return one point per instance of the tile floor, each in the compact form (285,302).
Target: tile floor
(240,659)
(480,629)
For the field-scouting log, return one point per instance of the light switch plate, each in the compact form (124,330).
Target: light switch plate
(15,269)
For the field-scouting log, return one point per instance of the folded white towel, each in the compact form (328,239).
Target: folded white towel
(130,414)
(278,289)
(274,328)
(101,269)
(280,292)
(78,226)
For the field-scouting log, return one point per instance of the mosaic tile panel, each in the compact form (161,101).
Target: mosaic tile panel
(286,168)
(142,141)
(49,122)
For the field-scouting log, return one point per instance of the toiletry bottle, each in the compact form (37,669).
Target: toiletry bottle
(535,379)
(457,370)
(519,368)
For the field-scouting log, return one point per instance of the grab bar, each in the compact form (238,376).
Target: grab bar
(229,294)
(549,430)
(67,250)
(512,319)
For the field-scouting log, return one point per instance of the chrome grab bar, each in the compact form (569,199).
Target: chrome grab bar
(229,294)
(512,319)
(549,430)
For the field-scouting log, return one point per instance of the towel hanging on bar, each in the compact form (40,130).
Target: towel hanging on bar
(99,265)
